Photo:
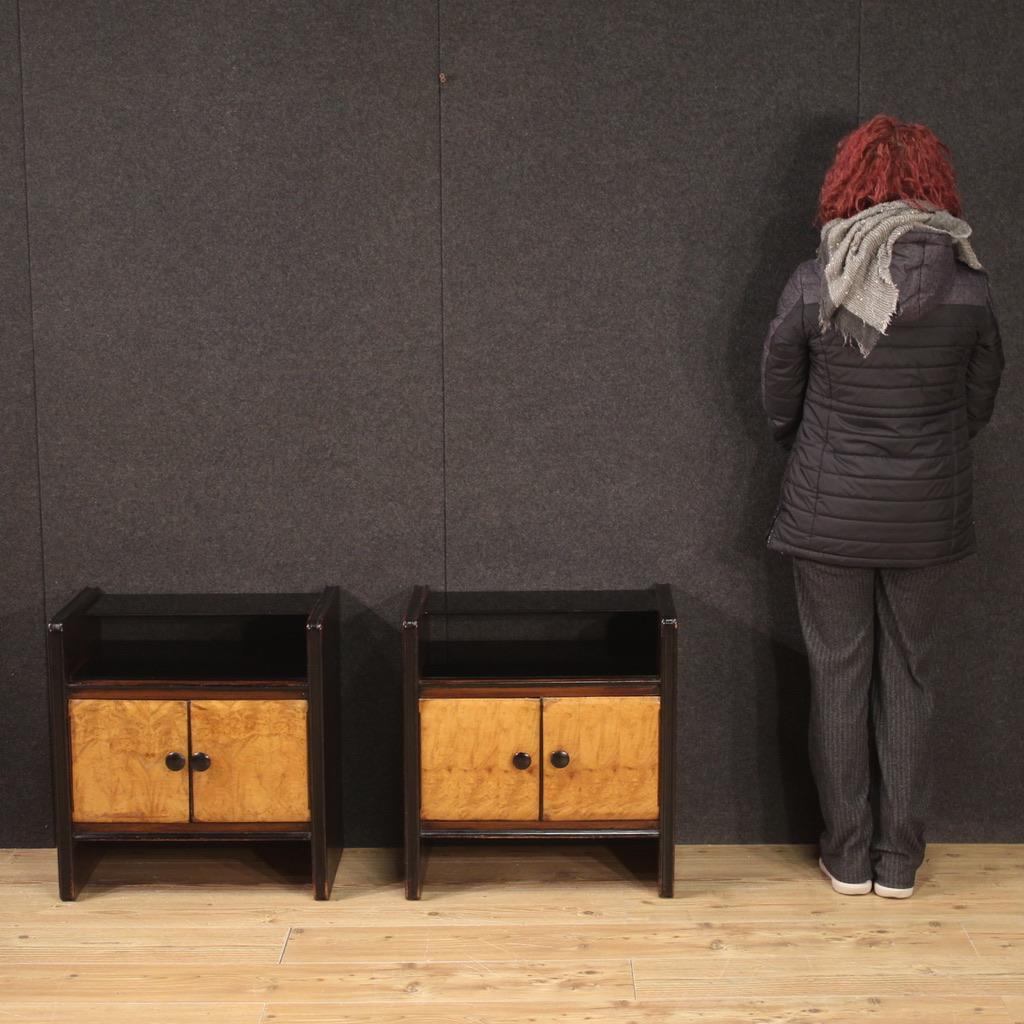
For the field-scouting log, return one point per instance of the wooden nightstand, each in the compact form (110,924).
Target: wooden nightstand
(539,714)
(195,717)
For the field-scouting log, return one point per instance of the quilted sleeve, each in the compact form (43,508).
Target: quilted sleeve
(984,371)
(785,362)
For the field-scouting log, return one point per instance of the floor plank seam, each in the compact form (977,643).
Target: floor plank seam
(284,946)
(967,935)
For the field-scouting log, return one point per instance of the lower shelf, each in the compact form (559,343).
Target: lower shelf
(538,829)
(201,832)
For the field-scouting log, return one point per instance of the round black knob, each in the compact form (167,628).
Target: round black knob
(200,762)
(559,758)
(522,761)
(175,761)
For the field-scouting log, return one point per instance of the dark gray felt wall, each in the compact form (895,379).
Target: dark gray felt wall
(299,316)
(235,239)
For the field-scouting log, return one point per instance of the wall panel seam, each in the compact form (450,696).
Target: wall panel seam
(860,50)
(31,315)
(441,305)
(49,826)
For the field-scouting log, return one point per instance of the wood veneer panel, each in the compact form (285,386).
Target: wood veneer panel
(258,760)
(467,748)
(612,744)
(117,760)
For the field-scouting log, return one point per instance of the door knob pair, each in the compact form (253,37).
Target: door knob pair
(523,760)
(176,761)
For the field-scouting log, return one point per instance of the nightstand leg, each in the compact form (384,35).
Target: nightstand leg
(413,867)
(321,884)
(66,870)
(666,866)
(325,866)
(75,863)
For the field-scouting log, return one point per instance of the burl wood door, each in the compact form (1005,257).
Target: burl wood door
(258,761)
(120,764)
(607,748)
(468,759)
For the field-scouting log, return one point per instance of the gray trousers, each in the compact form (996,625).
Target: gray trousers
(868,634)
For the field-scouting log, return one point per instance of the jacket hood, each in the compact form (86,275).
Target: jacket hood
(923,266)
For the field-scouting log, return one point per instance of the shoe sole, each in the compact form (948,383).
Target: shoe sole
(845,888)
(889,893)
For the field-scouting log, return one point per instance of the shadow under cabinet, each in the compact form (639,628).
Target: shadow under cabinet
(191,717)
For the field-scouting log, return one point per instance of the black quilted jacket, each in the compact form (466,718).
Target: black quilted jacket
(880,469)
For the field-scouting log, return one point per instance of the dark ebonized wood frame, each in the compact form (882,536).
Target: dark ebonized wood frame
(663,683)
(73,633)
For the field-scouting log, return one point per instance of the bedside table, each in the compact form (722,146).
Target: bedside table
(537,714)
(191,717)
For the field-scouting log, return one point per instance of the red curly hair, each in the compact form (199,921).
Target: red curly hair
(887,159)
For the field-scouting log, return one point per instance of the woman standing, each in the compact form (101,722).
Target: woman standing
(881,364)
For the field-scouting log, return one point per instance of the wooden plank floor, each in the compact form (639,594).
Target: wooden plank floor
(511,934)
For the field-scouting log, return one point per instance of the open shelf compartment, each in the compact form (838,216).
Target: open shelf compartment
(540,635)
(131,638)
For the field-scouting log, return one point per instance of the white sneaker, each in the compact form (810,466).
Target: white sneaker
(847,888)
(893,894)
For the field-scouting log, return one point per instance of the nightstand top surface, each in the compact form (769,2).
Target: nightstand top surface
(540,602)
(173,605)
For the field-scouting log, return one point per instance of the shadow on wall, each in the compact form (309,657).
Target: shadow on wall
(371,684)
(743,771)
(790,189)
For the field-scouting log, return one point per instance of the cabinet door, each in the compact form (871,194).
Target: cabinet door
(258,760)
(119,769)
(612,749)
(468,749)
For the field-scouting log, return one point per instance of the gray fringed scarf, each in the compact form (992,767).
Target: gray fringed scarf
(858,296)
